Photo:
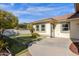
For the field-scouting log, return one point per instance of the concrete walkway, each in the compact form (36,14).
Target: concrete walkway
(51,47)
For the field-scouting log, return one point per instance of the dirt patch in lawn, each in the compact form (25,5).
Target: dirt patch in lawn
(74,47)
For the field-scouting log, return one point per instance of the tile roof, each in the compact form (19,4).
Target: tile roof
(59,18)
(43,20)
(67,16)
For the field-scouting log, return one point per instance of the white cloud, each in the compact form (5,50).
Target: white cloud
(6,7)
(30,10)
(2,6)
(26,12)
(39,9)
(36,10)
(12,4)
(33,10)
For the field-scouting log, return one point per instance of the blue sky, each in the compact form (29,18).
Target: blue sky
(28,12)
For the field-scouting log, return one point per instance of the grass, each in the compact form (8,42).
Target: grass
(16,49)
(23,38)
(23,35)
(18,43)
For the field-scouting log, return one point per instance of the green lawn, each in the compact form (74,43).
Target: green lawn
(16,48)
(23,38)
(17,43)
(23,35)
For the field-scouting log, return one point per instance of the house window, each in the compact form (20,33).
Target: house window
(37,27)
(42,27)
(65,26)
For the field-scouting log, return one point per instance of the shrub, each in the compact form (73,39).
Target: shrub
(3,44)
(35,35)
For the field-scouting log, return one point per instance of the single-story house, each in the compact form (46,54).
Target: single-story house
(66,26)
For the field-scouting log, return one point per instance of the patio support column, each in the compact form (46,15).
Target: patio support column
(50,30)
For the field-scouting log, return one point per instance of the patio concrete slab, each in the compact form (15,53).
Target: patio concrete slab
(51,47)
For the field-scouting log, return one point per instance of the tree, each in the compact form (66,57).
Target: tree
(3,44)
(30,27)
(7,21)
(23,26)
(33,34)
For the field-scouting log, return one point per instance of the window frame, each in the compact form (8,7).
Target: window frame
(43,29)
(63,27)
(37,29)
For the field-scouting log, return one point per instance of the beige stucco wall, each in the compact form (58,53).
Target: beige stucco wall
(74,29)
(47,28)
(57,33)
(60,33)
(73,33)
